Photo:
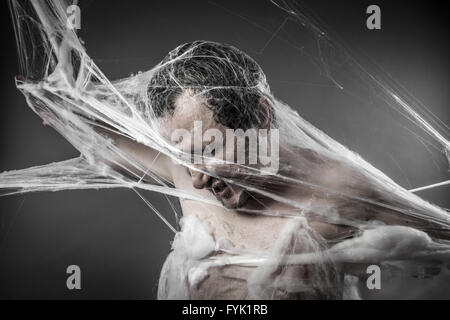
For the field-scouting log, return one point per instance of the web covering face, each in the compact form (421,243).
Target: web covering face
(65,87)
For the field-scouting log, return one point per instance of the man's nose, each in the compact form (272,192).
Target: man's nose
(200,180)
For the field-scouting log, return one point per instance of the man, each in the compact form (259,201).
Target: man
(248,230)
(312,202)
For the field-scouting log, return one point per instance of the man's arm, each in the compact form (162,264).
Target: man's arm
(368,201)
(149,159)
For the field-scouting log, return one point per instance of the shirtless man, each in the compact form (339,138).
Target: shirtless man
(238,105)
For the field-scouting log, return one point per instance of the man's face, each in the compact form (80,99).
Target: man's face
(192,116)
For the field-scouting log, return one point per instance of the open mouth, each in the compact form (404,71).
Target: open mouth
(221,190)
(231,197)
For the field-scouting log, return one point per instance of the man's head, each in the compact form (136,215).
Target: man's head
(219,87)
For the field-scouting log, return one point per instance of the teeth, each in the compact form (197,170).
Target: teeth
(218,186)
(221,189)
(226,193)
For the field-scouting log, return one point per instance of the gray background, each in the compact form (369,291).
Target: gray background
(118,243)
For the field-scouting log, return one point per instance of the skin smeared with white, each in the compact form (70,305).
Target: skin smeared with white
(296,234)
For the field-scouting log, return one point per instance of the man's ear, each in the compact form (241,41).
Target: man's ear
(265,113)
